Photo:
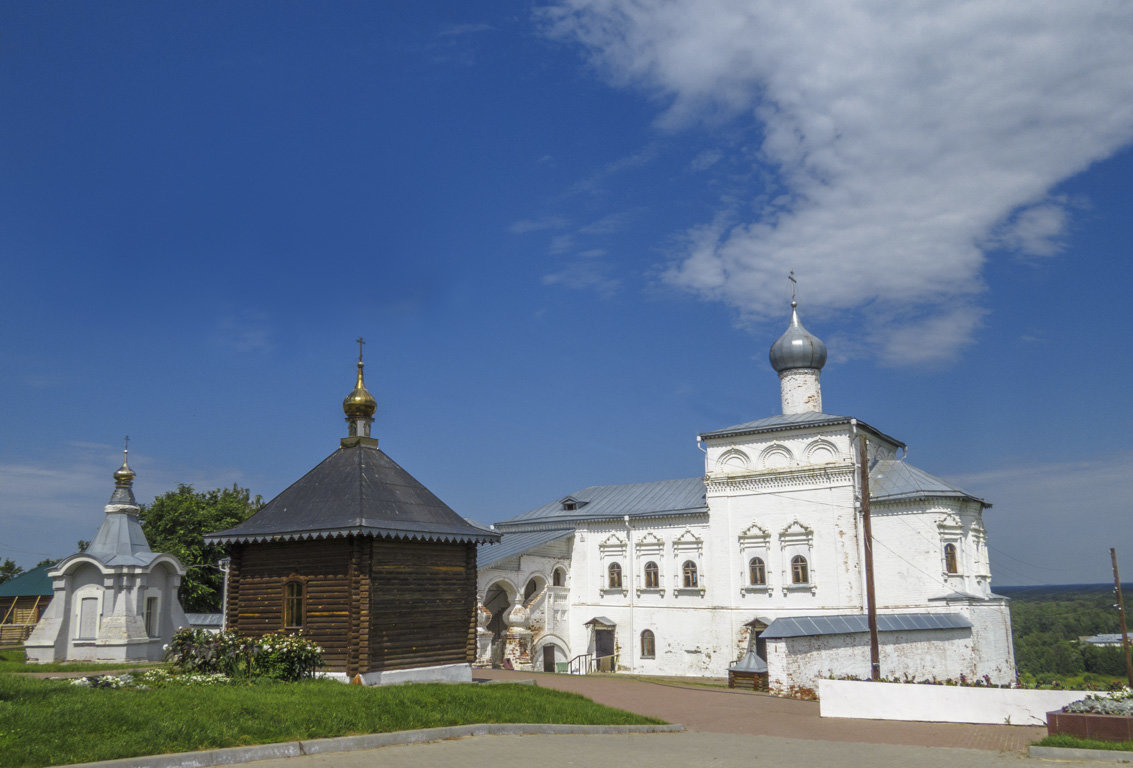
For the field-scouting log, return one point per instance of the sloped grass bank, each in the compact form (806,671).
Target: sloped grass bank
(48,722)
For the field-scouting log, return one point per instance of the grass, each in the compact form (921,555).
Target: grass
(49,722)
(15,660)
(1067,741)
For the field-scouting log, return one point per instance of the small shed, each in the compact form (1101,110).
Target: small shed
(365,561)
(23,599)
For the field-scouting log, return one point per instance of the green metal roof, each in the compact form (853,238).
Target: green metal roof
(33,582)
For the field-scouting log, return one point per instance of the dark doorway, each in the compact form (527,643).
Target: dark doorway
(548,658)
(604,649)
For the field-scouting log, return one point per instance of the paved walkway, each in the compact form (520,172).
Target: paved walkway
(723,710)
(663,750)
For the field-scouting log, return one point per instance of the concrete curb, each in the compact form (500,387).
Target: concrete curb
(1068,753)
(232,755)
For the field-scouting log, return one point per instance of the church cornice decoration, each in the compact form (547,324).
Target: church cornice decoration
(779,479)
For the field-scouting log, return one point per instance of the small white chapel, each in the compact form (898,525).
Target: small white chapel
(757,565)
(116,600)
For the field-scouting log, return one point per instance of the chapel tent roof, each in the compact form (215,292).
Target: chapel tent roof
(29,584)
(357,490)
(782,421)
(891,480)
(596,502)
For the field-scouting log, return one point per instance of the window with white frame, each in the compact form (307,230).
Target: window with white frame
(797,543)
(951,530)
(755,551)
(688,549)
(652,575)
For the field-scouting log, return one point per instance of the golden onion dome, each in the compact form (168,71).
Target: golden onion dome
(123,476)
(359,404)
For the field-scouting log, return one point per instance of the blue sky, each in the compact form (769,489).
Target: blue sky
(564,231)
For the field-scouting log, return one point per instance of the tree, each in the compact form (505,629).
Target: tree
(176,523)
(9,569)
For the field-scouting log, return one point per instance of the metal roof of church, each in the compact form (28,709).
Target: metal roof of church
(663,497)
(857,623)
(512,544)
(783,421)
(890,480)
(356,490)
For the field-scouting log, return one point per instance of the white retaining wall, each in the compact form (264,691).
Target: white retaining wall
(940,703)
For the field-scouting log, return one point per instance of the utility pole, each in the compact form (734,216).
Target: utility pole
(1121,614)
(870,597)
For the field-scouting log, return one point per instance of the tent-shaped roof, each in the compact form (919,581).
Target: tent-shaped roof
(356,490)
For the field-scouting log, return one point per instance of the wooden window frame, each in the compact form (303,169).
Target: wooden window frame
(951,559)
(690,575)
(294,603)
(652,575)
(614,576)
(757,572)
(800,570)
(648,644)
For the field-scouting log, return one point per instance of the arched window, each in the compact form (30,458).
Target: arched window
(652,575)
(689,571)
(648,645)
(293,605)
(531,588)
(557,578)
(800,573)
(950,559)
(757,571)
(615,576)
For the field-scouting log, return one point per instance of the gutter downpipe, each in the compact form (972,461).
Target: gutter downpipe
(631,579)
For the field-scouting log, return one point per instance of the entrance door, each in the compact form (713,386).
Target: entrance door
(604,649)
(548,658)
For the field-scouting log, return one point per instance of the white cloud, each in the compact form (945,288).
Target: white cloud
(909,140)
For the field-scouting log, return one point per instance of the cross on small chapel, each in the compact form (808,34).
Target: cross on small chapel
(360,341)
(126,444)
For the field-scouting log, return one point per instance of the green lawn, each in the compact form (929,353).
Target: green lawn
(1073,742)
(15,660)
(48,722)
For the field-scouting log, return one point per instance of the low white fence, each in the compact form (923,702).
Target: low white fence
(940,703)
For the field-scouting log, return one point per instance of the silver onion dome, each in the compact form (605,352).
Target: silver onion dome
(797,347)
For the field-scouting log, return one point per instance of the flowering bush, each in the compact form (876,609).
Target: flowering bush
(150,678)
(278,656)
(1119,702)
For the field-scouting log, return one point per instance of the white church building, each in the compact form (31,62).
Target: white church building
(757,565)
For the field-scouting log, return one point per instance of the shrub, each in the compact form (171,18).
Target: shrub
(278,656)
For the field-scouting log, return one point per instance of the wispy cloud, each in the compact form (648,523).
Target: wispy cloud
(524,226)
(588,271)
(457,30)
(1054,523)
(909,141)
(245,331)
(45,507)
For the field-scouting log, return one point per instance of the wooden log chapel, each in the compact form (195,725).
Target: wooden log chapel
(364,560)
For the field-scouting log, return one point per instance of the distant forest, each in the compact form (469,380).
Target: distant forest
(1048,621)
